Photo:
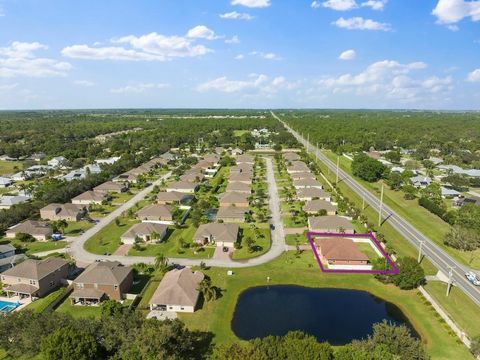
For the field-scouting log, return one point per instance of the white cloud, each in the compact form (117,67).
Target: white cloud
(239,57)
(389,79)
(453,11)
(359,23)
(233,40)
(266,56)
(348,55)
(2,12)
(339,5)
(138,88)
(201,32)
(474,76)
(315,4)
(85,83)
(149,47)
(8,87)
(254,84)
(252,3)
(375,4)
(234,15)
(19,59)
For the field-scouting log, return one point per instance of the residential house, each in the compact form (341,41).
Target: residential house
(5,182)
(239,187)
(39,156)
(8,258)
(155,213)
(173,197)
(102,280)
(306,184)
(340,251)
(108,161)
(448,193)
(68,212)
(469,200)
(91,197)
(245,178)
(315,206)
(245,159)
(233,214)
(126,178)
(193,177)
(57,161)
(183,187)
(241,169)
(233,198)
(7,201)
(330,224)
(111,187)
(35,278)
(298,167)
(78,174)
(291,156)
(40,230)
(421,181)
(309,194)
(145,231)
(302,176)
(178,291)
(217,233)
(237,151)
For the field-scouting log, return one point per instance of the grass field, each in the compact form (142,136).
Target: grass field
(263,242)
(423,220)
(292,239)
(367,250)
(79,311)
(41,304)
(76,228)
(10,167)
(288,269)
(36,246)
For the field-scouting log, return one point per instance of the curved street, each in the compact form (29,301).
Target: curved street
(77,251)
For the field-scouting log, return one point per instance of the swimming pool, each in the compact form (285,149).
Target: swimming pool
(7,306)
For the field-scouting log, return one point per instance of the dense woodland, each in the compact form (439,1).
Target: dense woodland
(456,135)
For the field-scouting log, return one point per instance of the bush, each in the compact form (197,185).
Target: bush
(23,237)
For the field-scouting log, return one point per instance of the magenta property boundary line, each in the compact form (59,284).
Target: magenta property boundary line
(393,268)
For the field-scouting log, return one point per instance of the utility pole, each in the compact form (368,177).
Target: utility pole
(420,251)
(381,208)
(363,202)
(338,164)
(450,280)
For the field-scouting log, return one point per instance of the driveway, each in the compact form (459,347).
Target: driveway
(219,254)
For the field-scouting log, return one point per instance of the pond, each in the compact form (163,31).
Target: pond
(334,315)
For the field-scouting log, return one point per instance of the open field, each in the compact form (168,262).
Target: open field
(10,167)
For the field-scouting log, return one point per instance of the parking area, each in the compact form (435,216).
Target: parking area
(220,254)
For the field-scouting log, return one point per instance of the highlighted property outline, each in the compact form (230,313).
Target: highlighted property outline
(393,268)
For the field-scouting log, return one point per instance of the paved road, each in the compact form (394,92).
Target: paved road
(432,251)
(82,256)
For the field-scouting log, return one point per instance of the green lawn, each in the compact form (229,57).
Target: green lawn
(107,240)
(77,311)
(458,305)
(118,199)
(288,269)
(423,220)
(41,304)
(263,242)
(239,133)
(289,222)
(37,246)
(76,228)
(10,167)
(292,239)
(367,250)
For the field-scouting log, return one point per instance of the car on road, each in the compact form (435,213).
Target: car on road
(272,227)
(225,249)
(472,277)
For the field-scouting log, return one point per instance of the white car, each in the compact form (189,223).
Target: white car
(472,277)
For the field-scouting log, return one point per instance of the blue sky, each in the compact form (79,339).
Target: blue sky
(240,53)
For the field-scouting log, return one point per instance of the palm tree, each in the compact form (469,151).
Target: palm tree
(208,291)
(161,263)
(61,225)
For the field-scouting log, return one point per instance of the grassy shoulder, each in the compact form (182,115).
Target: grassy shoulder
(288,269)
(423,220)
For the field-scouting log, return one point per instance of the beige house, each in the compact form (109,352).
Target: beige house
(291,156)
(233,214)
(302,175)
(242,169)
(233,198)
(68,212)
(194,177)
(40,230)
(90,197)
(239,187)
(306,183)
(35,278)
(314,206)
(145,231)
(155,212)
(309,194)
(173,197)
(178,291)
(126,178)
(245,178)
(330,224)
(298,167)
(183,187)
(111,187)
(245,159)
(217,233)
(102,280)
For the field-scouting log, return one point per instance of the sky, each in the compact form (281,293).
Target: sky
(386,54)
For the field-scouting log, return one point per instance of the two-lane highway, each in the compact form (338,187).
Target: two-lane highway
(440,259)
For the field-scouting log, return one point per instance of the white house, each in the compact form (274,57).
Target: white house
(56,162)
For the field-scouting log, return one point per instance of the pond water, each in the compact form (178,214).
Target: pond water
(334,315)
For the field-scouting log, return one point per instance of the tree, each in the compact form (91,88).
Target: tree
(24,237)
(475,346)
(411,274)
(60,225)
(111,308)
(462,238)
(394,180)
(69,343)
(208,291)
(367,168)
(161,263)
